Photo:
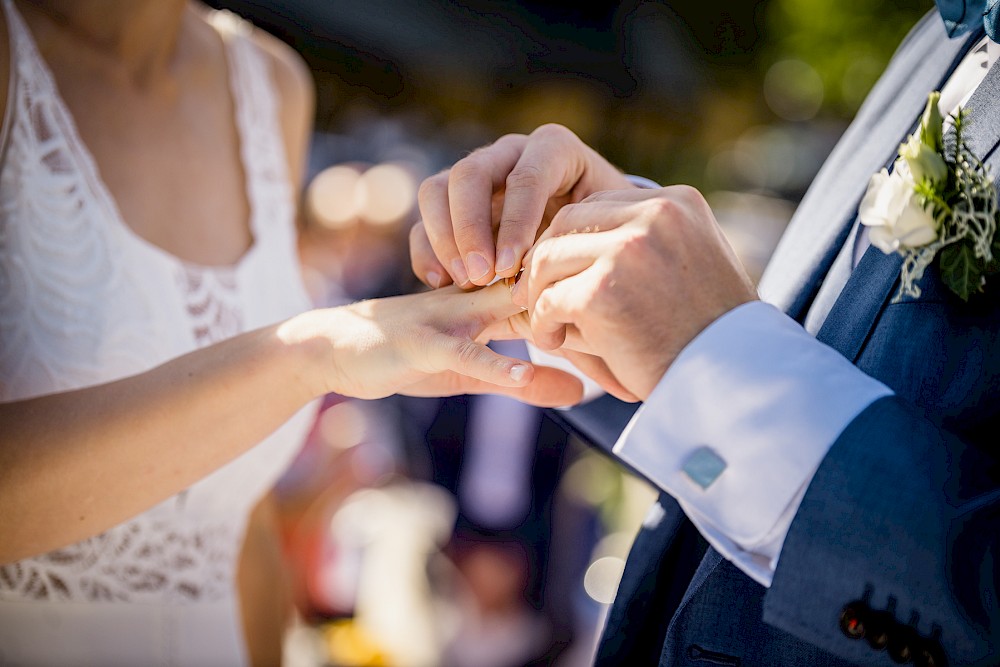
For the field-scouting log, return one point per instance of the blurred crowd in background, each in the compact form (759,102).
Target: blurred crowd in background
(473,532)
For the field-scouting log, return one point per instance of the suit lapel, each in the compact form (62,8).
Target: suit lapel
(875,279)
(982,130)
(822,221)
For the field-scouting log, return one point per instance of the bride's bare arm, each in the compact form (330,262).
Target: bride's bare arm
(76,463)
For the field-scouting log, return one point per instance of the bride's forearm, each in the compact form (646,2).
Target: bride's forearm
(76,463)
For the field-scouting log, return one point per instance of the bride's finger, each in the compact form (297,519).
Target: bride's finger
(470,313)
(514,327)
(467,357)
(550,388)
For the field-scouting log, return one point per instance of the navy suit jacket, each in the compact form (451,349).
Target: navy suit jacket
(893,554)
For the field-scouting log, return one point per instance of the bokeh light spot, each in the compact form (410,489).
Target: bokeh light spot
(793,89)
(332,196)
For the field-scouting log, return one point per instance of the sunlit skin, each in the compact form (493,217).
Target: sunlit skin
(146,81)
(619,280)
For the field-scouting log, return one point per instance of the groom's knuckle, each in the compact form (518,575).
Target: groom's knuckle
(606,282)
(524,177)
(516,224)
(632,248)
(466,230)
(543,312)
(541,257)
(467,170)
(600,195)
(687,194)
(662,208)
(432,187)
(553,132)
(565,220)
(512,140)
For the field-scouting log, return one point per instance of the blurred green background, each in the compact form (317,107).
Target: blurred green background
(744,95)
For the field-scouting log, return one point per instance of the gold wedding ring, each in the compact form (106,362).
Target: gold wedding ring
(512,280)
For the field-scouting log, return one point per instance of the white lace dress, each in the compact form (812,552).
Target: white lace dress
(84,300)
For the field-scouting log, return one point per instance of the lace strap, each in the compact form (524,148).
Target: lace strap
(257,119)
(8,115)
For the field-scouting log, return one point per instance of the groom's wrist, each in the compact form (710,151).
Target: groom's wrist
(743,417)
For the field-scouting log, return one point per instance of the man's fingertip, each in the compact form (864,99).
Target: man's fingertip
(458,273)
(477,266)
(505,262)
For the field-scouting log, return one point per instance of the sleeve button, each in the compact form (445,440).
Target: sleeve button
(902,644)
(852,620)
(877,632)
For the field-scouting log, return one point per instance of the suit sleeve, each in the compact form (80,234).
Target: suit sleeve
(894,544)
(868,522)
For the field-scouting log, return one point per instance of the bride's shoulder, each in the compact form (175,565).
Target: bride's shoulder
(289,72)
(290,79)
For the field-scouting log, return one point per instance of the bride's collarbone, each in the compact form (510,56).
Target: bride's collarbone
(167,147)
(173,167)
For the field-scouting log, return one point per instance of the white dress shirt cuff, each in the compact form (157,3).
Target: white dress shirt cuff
(741,421)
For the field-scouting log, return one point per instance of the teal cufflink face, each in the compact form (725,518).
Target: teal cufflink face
(704,466)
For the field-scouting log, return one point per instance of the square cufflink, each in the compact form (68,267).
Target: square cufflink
(704,466)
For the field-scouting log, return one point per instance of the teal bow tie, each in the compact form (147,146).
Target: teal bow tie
(961,16)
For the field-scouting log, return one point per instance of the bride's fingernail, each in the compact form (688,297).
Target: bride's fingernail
(517,372)
(434,279)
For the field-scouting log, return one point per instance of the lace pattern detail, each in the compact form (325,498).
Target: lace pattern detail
(65,260)
(55,258)
(212,301)
(125,564)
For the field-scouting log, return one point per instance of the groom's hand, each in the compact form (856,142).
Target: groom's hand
(631,277)
(481,216)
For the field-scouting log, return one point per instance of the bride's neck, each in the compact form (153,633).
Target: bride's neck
(140,34)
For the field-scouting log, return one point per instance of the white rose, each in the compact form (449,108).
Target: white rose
(923,161)
(894,214)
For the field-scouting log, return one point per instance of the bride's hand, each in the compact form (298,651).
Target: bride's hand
(426,344)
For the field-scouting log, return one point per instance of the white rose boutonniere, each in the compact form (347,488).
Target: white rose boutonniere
(895,214)
(938,202)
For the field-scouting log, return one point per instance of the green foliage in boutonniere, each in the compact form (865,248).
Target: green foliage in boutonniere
(938,202)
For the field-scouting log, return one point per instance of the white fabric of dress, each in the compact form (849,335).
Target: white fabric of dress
(85,300)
